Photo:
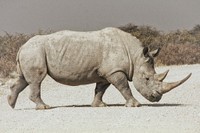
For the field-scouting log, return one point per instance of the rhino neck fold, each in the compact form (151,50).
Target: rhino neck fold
(130,72)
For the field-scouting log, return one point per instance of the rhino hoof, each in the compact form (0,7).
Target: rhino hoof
(99,104)
(11,102)
(132,103)
(42,107)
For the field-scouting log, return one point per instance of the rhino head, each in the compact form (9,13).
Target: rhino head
(145,79)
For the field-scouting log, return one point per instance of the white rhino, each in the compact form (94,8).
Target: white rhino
(108,56)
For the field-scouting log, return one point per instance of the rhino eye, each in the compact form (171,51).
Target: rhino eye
(147,78)
(152,96)
(147,60)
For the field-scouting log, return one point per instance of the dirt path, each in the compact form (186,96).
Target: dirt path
(178,111)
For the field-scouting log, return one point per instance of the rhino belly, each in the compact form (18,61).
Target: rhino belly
(74,61)
(73,69)
(73,78)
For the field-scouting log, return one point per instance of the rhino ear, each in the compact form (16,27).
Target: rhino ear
(145,51)
(155,52)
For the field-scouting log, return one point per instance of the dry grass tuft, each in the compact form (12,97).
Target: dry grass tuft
(178,47)
(179,54)
(9,46)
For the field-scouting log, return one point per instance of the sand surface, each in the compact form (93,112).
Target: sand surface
(177,112)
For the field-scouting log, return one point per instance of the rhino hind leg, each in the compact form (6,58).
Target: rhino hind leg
(119,80)
(34,75)
(99,91)
(15,89)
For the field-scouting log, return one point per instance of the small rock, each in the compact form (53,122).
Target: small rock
(148,119)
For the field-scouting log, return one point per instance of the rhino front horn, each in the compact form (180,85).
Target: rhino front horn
(161,76)
(169,86)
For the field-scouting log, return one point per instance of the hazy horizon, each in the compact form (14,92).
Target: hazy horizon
(26,16)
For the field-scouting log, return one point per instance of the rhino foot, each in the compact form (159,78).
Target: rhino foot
(99,104)
(42,107)
(132,103)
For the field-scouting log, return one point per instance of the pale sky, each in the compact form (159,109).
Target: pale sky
(28,16)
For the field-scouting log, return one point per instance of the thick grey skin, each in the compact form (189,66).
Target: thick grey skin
(108,56)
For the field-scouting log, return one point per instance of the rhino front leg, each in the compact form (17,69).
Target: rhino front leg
(99,91)
(35,96)
(119,80)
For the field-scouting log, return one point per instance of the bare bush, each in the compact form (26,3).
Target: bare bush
(179,54)
(147,35)
(177,48)
(9,45)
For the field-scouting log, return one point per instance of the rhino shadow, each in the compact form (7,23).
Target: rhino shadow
(165,105)
(123,105)
(114,105)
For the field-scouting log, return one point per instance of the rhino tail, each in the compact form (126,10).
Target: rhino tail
(19,70)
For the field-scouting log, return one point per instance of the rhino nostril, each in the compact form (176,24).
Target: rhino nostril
(153,97)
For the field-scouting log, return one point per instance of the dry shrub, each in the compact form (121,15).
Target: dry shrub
(9,45)
(177,48)
(179,54)
(6,66)
(148,35)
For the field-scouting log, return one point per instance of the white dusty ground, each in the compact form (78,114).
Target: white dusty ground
(177,112)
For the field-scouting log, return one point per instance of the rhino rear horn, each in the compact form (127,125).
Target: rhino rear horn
(161,76)
(169,86)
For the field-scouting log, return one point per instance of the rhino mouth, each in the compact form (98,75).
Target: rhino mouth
(155,96)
